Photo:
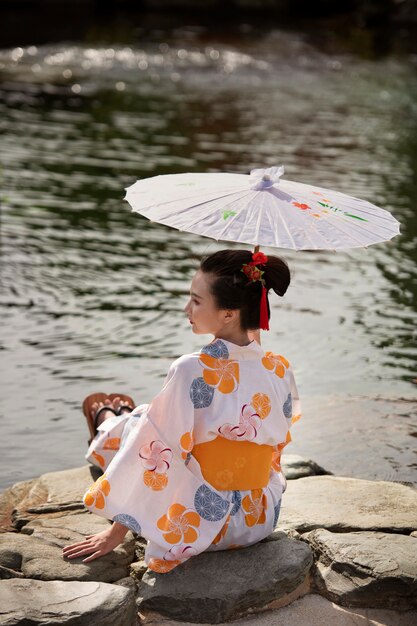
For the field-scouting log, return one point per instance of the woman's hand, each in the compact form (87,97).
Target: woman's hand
(97,545)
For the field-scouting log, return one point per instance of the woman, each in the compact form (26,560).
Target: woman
(199,467)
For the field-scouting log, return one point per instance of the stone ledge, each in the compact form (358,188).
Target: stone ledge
(59,603)
(367,569)
(218,586)
(343,504)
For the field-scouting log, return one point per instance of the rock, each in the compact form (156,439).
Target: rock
(138,569)
(310,610)
(39,555)
(128,582)
(295,466)
(217,586)
(348,504)
(66,529)
(65,603)
(414,533)
(9,500)
(368,569)
(53,495)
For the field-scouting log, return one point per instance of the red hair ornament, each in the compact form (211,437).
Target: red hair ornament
(254,273)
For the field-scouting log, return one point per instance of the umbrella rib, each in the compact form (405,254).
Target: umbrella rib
(337,226)
(283,222)
(188,207)
(224,208)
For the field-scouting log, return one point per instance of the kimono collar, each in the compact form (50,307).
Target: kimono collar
(222,349)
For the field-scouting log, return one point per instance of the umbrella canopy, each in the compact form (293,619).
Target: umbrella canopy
(261,209)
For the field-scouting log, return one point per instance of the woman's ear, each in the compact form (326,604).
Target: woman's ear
(231,316)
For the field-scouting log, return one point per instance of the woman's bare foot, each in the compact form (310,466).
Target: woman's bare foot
(120,405)
(117,405)
(104,414)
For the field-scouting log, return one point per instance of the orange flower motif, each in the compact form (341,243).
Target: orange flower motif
(95,496)
(295,419)
(276,363)
(155,481)
(262,404)
(220,373)
(255,506)
(187,443)
(302,206)
(113,443)
(160,566)
(179,524)
(100,459)
(222,532)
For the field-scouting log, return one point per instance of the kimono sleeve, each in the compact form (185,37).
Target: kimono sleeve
(294,408)
(292,413)
(154,486)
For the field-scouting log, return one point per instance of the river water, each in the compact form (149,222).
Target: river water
(92,295)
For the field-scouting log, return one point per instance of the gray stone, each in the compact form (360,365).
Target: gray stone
(39,555)
(295,466)
(138,569)
(368,569)
(51,495)
(10,500)
(348,504)
(34,602)
(217,586)
(128,582)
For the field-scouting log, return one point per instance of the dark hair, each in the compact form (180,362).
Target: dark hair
(231,288)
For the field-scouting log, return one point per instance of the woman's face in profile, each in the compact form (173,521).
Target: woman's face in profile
(205,317)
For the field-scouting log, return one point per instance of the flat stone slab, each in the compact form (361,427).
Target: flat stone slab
(51,495)
(216,586)
(348,504)
(295,466)
(9,501)
(36,552)
(310,610)
(368,569)
(37,602)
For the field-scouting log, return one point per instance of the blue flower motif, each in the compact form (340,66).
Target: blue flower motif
(187,458)
(129,521)
(277,509)
(237,501)
(201,393)
(287,407)
(209,505)
(217,349)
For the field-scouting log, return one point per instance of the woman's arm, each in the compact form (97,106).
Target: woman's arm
(97,545)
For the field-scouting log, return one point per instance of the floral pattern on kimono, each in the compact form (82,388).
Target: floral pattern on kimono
(155,486)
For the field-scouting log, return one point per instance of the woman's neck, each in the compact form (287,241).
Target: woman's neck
(239,338)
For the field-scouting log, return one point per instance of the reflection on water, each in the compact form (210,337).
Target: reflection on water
(92,295)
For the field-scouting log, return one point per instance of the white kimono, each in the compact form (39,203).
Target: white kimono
(152,482)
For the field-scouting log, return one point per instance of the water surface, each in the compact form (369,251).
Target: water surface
(92,295)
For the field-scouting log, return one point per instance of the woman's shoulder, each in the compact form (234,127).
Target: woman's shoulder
(185,362)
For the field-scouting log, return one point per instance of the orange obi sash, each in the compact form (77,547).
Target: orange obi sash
(236,465)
